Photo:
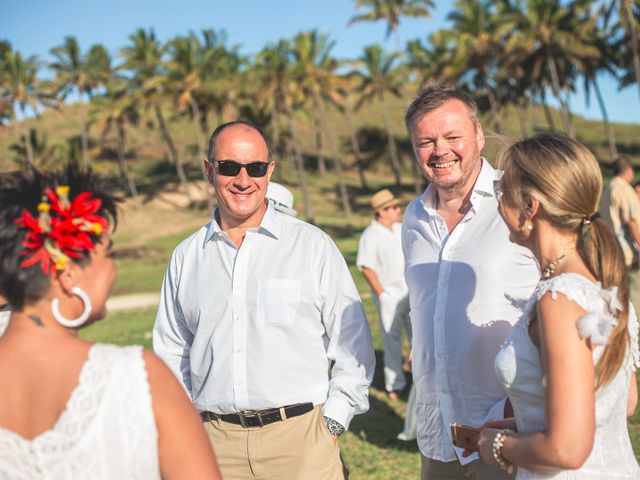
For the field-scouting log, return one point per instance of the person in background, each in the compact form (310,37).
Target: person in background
(620,209)
(260,320)
(465,279)
(381,262)
(577,330)
(69,408)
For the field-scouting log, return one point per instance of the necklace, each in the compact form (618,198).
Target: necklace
(551,266)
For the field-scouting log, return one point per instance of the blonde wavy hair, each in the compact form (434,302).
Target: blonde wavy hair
(566,178)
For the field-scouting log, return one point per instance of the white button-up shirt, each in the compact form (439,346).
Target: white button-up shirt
(380,249)
(275,322)
(464,289)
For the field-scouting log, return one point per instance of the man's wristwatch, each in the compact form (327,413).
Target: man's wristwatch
(334,427)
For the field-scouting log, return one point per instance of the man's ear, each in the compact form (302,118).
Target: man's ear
(209,169)
(270,169)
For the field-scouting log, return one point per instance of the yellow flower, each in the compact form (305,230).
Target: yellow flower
(61,261)
(62,190)
(43,207)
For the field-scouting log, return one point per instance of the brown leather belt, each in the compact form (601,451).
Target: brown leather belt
(259,418)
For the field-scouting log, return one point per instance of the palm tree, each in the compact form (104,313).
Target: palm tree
(629,21)
(117,107)
(590,67)
(314,70)
(433,62)
(478,47)
(143,58)
(277,89)
(381,78)
(343,101)
(80,73)
(20,90)
(186,70)
(391,11)
(549,38)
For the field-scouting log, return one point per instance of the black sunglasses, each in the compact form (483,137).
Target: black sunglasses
(231,168)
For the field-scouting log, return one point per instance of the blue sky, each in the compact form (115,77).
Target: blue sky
(35,26)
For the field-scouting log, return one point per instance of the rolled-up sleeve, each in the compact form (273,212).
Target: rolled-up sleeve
(172,338)
(350,346)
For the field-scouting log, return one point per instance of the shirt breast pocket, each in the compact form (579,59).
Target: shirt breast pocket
(278,301)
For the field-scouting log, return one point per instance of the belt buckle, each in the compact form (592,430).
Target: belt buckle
(250,414)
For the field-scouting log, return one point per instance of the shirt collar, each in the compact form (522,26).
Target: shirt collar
(483,186)
(269,225)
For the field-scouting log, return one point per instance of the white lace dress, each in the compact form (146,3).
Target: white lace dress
(518,369)
(107,430)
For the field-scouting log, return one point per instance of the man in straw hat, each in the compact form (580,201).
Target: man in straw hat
(381,262)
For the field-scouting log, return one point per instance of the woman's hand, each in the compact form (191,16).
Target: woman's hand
(502,423)
(485,445)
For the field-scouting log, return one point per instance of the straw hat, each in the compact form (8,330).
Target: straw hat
(382,199)
(281,198)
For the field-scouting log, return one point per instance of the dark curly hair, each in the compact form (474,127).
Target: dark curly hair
(23,191)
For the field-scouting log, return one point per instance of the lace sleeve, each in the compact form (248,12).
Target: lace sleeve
(596,327)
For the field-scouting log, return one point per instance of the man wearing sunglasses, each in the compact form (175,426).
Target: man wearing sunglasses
(261,321)
(381,262)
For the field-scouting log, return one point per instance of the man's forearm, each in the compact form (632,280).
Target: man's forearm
(372,279)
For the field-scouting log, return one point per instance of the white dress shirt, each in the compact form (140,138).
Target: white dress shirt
(380,249)
(275,322)
(465,290)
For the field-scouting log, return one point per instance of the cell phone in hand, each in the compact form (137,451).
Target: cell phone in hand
(465,436)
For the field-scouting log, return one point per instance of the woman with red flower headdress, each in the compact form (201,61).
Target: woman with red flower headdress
(70,409)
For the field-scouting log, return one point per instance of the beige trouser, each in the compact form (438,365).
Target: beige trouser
(296,448)
(476,470)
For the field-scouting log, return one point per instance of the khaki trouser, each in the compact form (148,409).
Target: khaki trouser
(476,470)
(296,448)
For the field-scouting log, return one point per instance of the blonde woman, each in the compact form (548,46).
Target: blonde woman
(70,409)
(568,364)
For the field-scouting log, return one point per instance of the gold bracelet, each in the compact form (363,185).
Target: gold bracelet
(496,448)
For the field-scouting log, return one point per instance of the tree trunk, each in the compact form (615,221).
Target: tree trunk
(19,139)
(173,151)
(306,204)
(533,114)
(122,162)
(84,135)
(342,187)
(494,110)
(27,142)
(635,49)
(555,85)
(202,154)
(393,151)
(613,150)
(521,105)
(355,145)
(322,165)
(547,112)
(417,178)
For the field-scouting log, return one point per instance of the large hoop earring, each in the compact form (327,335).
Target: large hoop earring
(65,322)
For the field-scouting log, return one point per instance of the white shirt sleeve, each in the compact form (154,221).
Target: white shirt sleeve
(367,255)
(350,346)
(172,338)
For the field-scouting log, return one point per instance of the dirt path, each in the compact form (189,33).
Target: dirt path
(133,301)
